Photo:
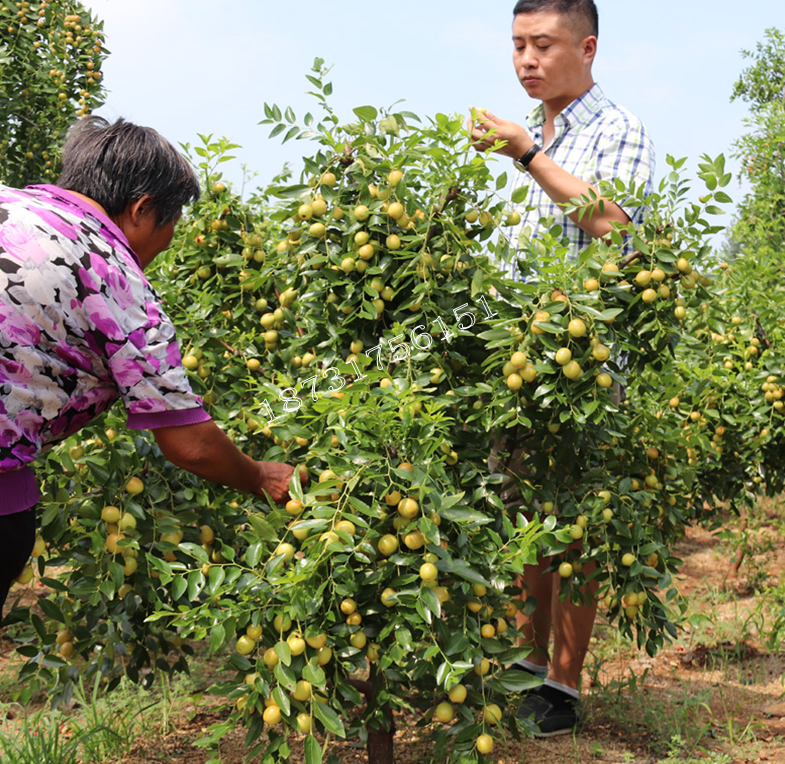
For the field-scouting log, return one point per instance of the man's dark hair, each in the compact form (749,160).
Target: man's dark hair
(117,164)
(582,12)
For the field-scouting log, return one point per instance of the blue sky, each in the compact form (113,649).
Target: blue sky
(192,66)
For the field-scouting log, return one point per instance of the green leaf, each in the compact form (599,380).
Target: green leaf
(217,637)
(458,643)
(465,515)
(366,113)
(514,655)
(442,673)
(519,194)
(51,610)
(226,260)
(65,459)
(160,565)
(389,125)
(286,676)
(477,280)
(50,514)
(551,328)
(431,601)
(254,554)
(315,675)
(283,652)
(295,486)
(282,700)
(313,751)
(196,551)
(196,583)
(179,586)
(288,192)
(362,506)
(461,568)
(404,638)
(291,133)
(513,680)
(329,719)
(350,693)
(215,578)
(588,409)
(262,528)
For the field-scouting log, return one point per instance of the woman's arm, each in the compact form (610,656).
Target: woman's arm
(206,451)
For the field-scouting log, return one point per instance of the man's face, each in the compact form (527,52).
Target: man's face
(550,57)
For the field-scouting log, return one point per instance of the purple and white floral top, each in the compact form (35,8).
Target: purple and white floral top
(80,327)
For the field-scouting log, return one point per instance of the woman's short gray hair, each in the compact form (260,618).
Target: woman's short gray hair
(117,164)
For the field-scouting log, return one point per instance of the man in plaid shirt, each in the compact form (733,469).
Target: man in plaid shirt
(575,138)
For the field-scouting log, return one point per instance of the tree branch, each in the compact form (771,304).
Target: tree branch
(629,259)
(761,331)
(450,196)
(229,347)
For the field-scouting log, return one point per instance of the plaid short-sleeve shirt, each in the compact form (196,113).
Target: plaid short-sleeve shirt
(594,140)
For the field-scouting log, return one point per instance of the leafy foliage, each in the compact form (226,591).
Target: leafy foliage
(762,83)
(760,224)
(356,320)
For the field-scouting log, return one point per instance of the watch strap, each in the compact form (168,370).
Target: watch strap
(526,159)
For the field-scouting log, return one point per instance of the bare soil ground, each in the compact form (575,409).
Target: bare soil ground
(715,696)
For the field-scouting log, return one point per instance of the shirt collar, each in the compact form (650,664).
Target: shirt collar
(579,112)
(65,196)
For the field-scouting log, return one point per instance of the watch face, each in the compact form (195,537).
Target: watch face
(518,165)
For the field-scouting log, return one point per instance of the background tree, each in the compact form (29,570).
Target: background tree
(50,74)
(762,83)
(760,223)
(734,389)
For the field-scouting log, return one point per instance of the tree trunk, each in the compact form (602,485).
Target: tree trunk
(380,741)
(734,568)
(380,746)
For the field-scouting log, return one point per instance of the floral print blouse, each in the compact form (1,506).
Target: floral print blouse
(80,327)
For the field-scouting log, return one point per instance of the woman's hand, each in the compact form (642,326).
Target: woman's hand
(205,450)
(275,478)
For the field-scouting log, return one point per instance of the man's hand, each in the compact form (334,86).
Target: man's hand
(560,186)
(486,128)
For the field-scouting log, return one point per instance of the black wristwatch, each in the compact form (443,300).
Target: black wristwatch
(523,163)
